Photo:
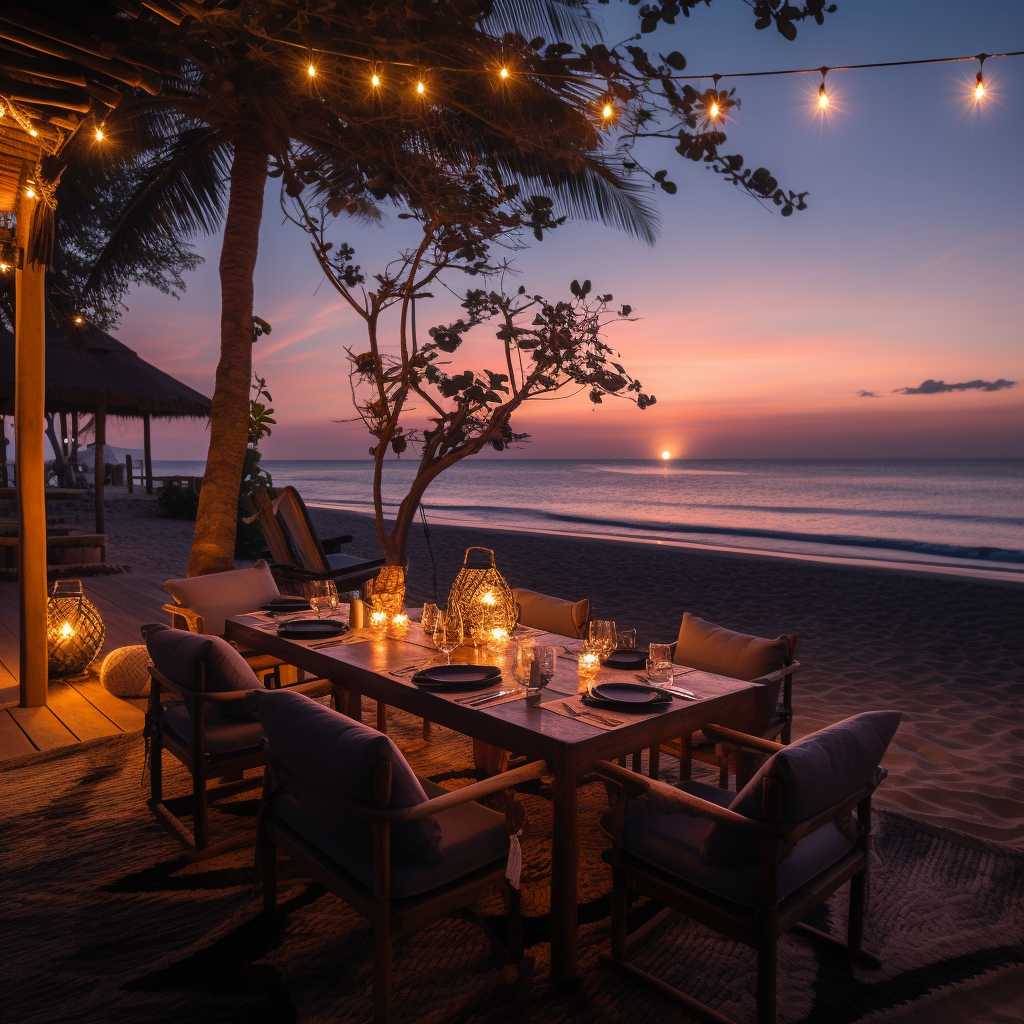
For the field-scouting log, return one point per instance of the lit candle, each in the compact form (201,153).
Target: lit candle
(489,599)
(589,664)
(498,638)
(379,621)
(66,631)
(399,625)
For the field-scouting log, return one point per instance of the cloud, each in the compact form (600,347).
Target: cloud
(938,387)
(868,394)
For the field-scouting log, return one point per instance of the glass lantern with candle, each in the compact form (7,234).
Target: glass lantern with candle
(484,598)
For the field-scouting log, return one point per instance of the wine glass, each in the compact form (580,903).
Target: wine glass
(602,639)
(448,630)
(323,595)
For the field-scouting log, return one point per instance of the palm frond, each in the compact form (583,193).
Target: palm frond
(555,20)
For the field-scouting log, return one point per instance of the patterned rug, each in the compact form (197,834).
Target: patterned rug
(104,922)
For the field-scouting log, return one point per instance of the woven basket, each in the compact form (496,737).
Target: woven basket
(482,596)
(125,672)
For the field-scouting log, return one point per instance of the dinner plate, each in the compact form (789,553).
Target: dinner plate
(626,695)
(456,677)
(311,629)
(626,658)
(286,604)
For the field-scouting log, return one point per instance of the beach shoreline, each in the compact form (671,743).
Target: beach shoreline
(946,651)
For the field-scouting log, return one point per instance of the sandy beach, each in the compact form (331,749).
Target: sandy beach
(948,653)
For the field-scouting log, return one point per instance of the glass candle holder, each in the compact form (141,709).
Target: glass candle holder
(588,666)
(497,640)
(379,622)
(398,626)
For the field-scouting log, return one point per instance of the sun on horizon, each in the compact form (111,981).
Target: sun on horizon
(666,455)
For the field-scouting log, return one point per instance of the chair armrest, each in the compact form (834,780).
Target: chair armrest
(331,544)
(742,739)
(439,803)
(778,674)
(187,693)
(686,802)
(196,622)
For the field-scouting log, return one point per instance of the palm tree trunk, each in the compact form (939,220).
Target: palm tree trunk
(213,548)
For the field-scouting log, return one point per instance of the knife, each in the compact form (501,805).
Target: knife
(483,698)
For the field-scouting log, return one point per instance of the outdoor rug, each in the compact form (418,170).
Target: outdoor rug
(102,920)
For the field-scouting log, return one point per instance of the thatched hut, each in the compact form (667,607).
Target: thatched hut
(89,371)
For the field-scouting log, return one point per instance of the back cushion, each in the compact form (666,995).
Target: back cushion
(224,594)
(815,773)
(340,754)
(551,614)
(711,648)
(177,653)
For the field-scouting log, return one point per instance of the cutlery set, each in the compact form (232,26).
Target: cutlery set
(483,699)
(590,714)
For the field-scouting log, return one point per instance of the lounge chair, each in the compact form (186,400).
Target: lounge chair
(342,802)
(297,552)
(752,865)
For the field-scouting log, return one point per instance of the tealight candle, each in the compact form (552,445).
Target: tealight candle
(379,621)
(589,664)
(498,638)
(399,625)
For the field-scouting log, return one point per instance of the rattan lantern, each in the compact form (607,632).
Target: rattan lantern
(74,629)
(387,591)
(483,597)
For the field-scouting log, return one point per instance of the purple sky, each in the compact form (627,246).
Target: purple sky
(757,333)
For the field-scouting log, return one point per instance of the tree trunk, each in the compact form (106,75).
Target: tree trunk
(213,548)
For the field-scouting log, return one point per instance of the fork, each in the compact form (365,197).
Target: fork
(590,714)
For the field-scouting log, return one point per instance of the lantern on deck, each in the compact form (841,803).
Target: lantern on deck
(74,629)
(484,599)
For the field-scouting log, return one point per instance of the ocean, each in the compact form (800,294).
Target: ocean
(960,513)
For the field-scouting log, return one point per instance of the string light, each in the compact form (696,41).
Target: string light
(979,89)
(30,193)
(822,96)
(78,320)
(607,111)
(99,135)
(4,267)
(420,88)
(713,110)
(503,73)
(311,71)
(375,81)
(33,133)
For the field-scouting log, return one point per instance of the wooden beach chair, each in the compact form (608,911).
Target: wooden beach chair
(342,803)
(769,663)
(752,865)
(298,554)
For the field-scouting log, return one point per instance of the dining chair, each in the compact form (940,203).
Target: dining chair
(769,663)
(210,725)
(752,865)
(341,802)
(552,614)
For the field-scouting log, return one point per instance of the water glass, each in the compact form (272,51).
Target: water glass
(602,638)
(627,639)
(429,619)
(522,661)
(323,596)
(447,633)
(545,660)
(659,665)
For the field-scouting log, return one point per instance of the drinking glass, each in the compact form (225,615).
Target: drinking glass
(448,630)
(429,617)
(659,665)
(545,660)
(522,661)
(627,639)
(602,639)
(323,596)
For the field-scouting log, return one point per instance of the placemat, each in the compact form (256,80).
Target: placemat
(606,718)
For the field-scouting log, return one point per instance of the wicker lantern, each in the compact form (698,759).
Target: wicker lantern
(74,629)
(387,591)
(483,597)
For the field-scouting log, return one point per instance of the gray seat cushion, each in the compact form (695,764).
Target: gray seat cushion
(177,654)
(472,836)
(552,614)
(340,755)
(815,773)
(222,594)
(222,735)
(672,842)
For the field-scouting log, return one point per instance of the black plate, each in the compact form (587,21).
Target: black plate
(286,604)
(311,629)
(626,695)
(626,658)
(456,677)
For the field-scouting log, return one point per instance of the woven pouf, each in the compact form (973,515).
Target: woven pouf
(125,672)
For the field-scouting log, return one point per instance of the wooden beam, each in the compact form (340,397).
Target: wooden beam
(47,96)
(99,464)
(147,447)
(29,418)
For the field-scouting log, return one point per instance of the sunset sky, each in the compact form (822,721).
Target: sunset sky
(758,333)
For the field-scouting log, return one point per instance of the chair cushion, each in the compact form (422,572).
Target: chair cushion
(221,735)
(816,772)
(711,648)
(177,653)
(551,614)
(340,755)
(222,594)
(472,836)
(672,841)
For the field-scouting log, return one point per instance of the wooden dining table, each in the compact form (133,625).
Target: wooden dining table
(380,669)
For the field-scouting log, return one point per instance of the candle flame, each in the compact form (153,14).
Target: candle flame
(66,631)
(489,598)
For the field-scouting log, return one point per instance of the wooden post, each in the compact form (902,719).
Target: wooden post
(30,427)
(3,451)
(130,473)
(148,453)
(100,422)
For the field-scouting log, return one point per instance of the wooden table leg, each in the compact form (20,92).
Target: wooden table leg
(565,857)
(354,704)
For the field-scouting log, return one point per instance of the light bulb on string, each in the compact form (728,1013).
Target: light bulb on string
(607,111)
(979,88)
(311,71)
(503,73)
(375,81)
(713,110)
(79,320)
(822,96)
(420,88)
(99,135)
(30,193)
(33,133)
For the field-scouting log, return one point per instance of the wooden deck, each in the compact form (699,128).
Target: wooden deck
(79,711)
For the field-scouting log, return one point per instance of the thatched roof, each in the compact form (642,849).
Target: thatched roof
(93,369)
